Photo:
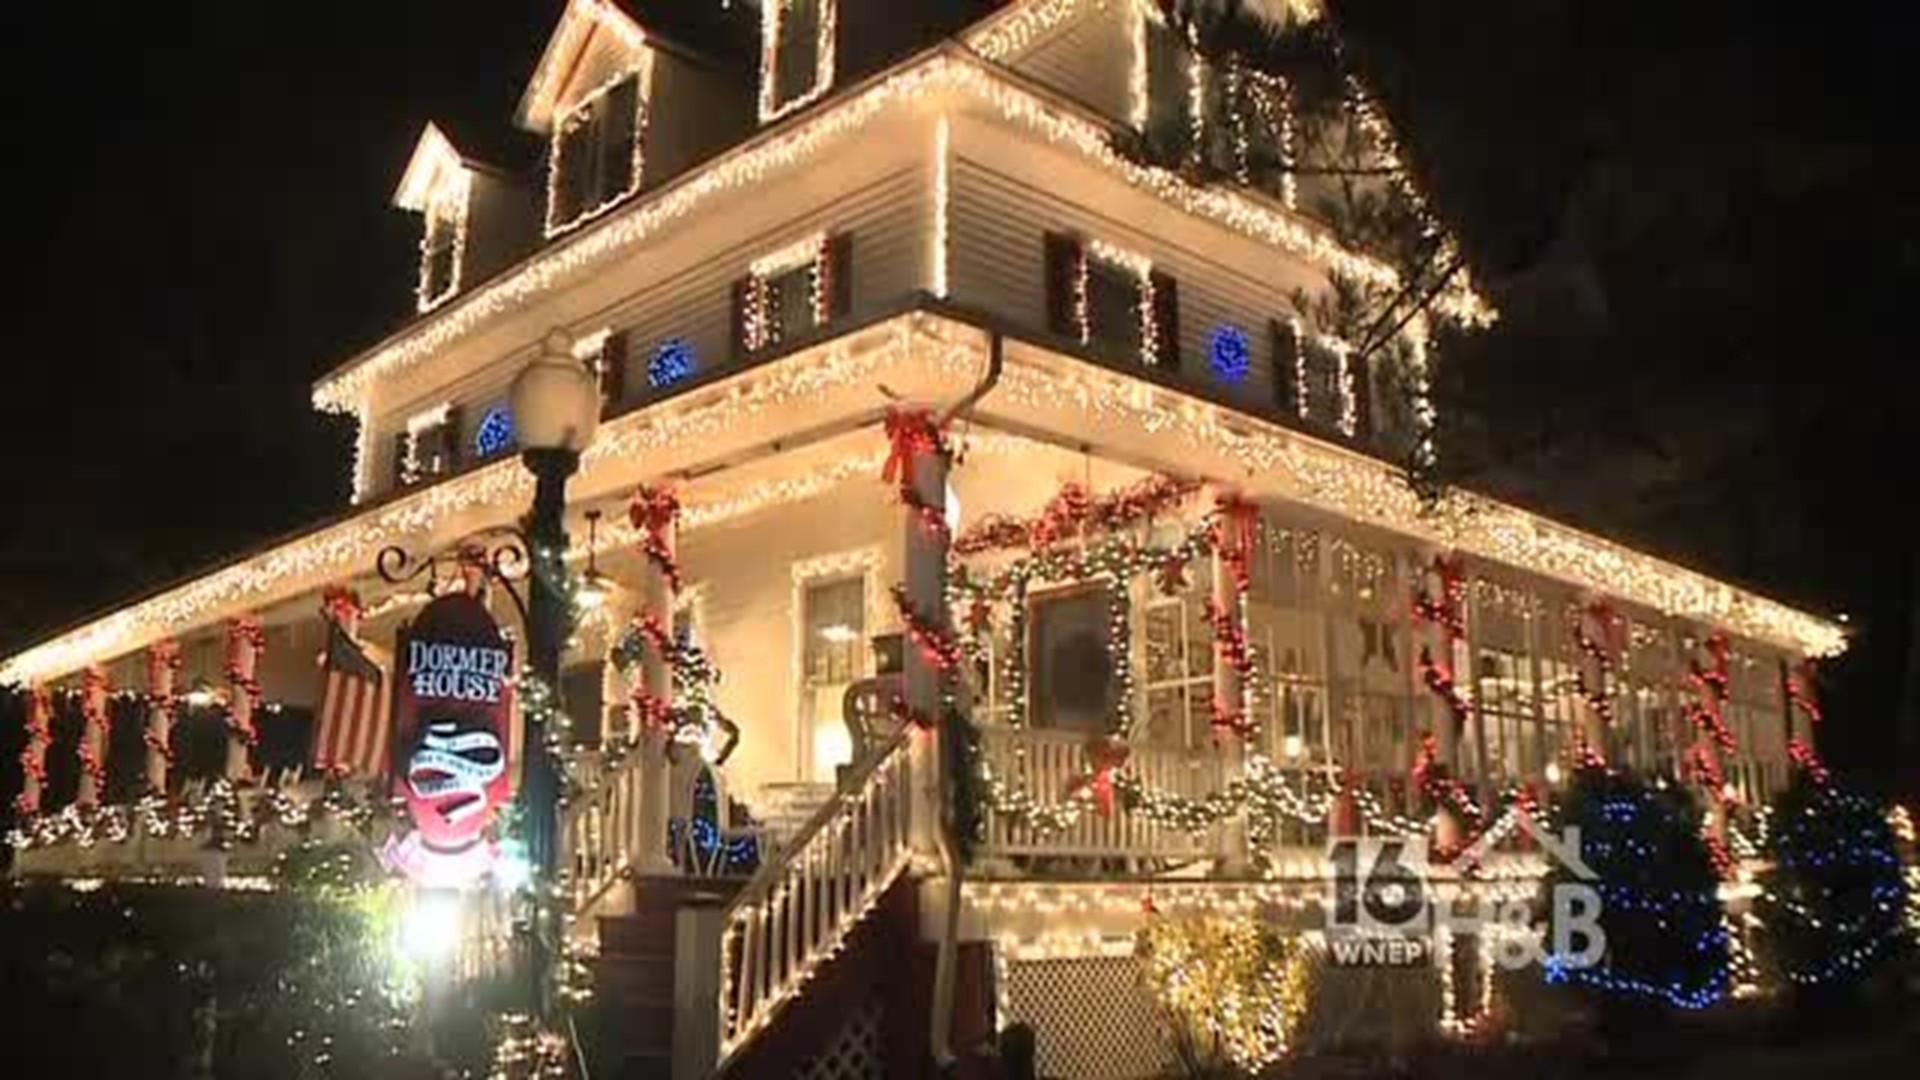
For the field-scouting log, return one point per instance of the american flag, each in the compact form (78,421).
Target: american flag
(351,733)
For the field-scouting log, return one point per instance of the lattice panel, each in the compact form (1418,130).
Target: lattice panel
(1092,1018)
(855,1052)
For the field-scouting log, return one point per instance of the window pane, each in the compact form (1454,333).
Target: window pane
(442,232)
(790,303)
(1072,673)
(797,55)
(1166,661)
(1113,308)
(835,621)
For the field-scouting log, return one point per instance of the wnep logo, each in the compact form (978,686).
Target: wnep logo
(1386,910)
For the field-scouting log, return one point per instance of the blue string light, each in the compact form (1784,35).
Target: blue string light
(1230,353)
(495,433)
(673,361)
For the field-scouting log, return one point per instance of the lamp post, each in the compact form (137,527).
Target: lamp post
(556,408)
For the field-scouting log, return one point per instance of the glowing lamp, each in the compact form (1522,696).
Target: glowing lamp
(555,399)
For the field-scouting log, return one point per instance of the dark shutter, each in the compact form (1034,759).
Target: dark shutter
(839,268)
(1166,321)
(613,372)
(399,459)
(1286,366)
(742,296)
(1361,372)
(1063,271)
(453,436)
(619,131)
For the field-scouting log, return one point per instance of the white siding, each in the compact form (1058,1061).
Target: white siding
(1003,209)
(1088,59)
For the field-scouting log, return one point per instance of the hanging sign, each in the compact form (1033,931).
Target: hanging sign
(453,715)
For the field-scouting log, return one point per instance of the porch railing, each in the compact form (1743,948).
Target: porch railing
(795,912)
(600,831)
(1050,765)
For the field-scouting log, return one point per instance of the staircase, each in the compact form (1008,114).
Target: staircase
(682,965)
(785,809)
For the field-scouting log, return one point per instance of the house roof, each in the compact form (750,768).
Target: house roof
(720,33)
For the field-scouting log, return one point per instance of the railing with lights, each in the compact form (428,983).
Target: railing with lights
(1051,767)
(798,910)
(600,828)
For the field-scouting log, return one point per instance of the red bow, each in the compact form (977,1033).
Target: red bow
(654,512)
(1105,755)
(910,432)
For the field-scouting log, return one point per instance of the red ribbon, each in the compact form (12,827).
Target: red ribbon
(1105,755)
(654,512)
(910,432)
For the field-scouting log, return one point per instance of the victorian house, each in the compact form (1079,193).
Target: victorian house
(962,363)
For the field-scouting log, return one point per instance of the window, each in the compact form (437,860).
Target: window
(795,290)
(429,446)
(1073,687)
(797,58)
(1504,693)
(834,620)
(1179,668)
(442,246)
(595,158)
(1113,300)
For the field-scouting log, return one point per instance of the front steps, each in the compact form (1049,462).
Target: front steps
(865,1013)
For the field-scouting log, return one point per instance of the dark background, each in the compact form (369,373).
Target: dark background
(1700,221)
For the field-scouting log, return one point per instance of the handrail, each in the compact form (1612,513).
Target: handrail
(797,910)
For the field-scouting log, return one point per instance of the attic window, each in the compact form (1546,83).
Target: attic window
(443,243)
(595,158)
(429,446)
(796,54)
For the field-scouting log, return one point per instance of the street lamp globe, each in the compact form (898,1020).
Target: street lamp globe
(555,399)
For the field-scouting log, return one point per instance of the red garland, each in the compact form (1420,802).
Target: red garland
(1231,648)
(940,648)
(163,666)
(1800,693)
(1711,684)
(244,633)
(33,758)
(655,714)
(1448,610)
(93,706)
(1601,651)
(1075,510)
(1803,754)
(654,511)
(1235,528)
(1445,791)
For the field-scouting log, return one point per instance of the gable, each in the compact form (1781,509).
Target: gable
(596,41)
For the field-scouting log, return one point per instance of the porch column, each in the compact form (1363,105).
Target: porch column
(33,758)
(163,668)
(93,737)
(245,639)
(656,513)
(918,467)
(1236,525)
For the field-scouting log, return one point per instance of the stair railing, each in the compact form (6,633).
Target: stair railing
(796,912)
(600,830)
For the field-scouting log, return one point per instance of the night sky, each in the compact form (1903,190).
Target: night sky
(1702,227)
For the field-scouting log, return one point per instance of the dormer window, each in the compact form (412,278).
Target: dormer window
(595,157)
(438,185)
(443,247)
(796,60)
